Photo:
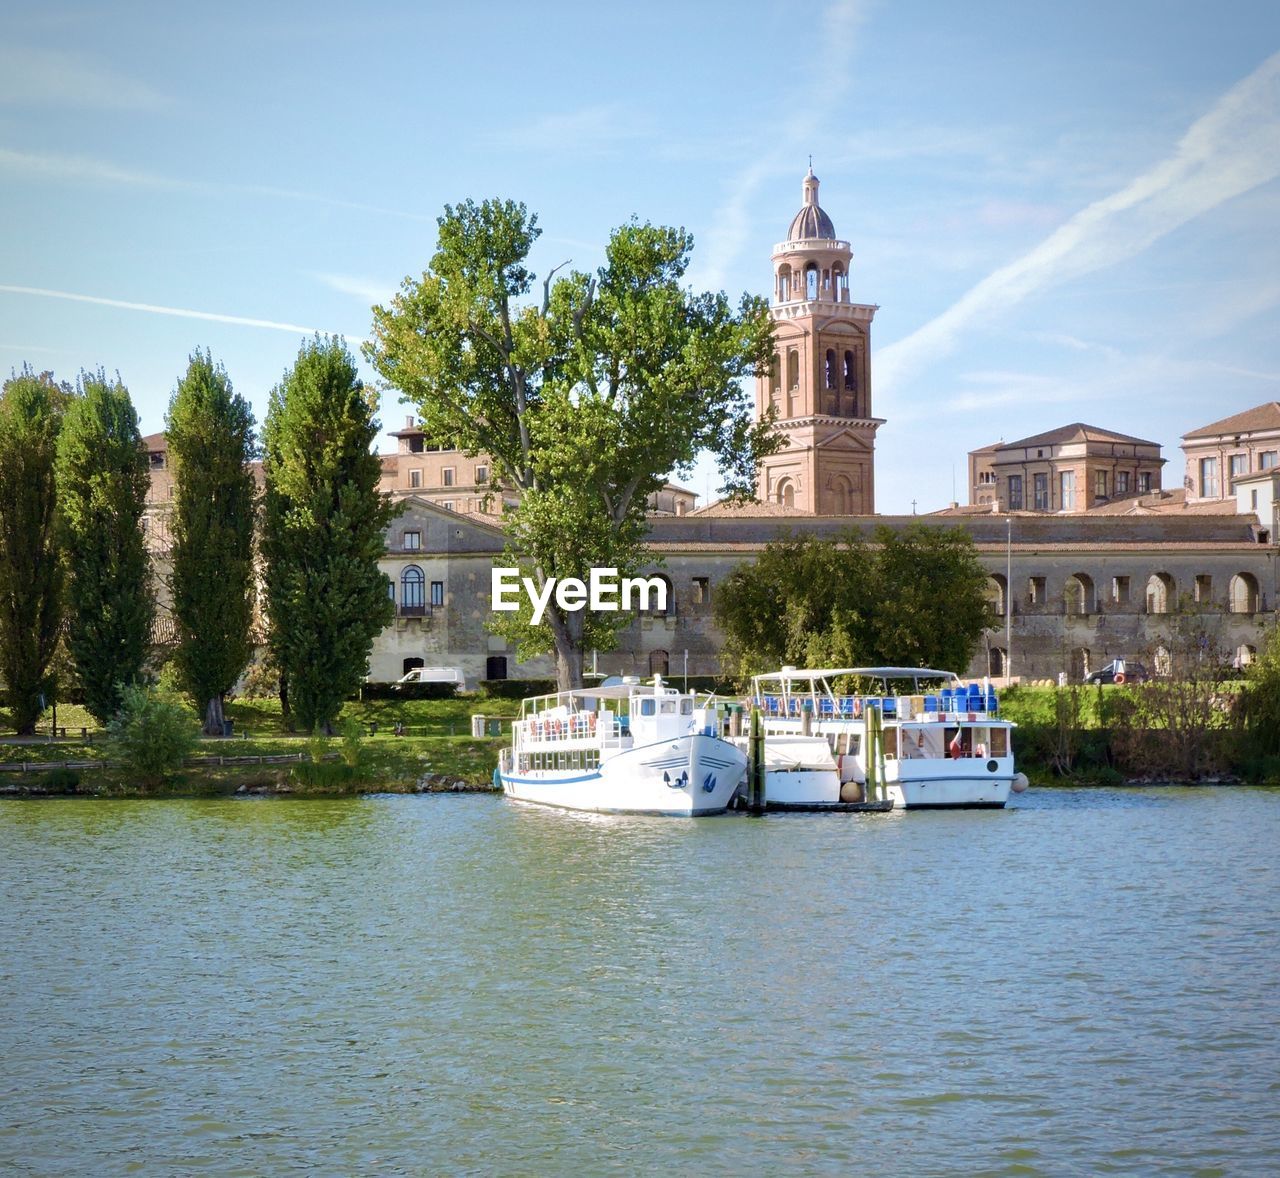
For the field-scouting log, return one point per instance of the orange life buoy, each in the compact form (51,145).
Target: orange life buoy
(1119,677)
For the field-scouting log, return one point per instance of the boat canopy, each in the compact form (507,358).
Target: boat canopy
(798,675)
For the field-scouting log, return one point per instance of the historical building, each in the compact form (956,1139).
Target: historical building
(1069,469)
(438,474)
(819,383)
(1224,451)
(1087,556)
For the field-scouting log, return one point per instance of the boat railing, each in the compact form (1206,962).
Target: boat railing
(973,700)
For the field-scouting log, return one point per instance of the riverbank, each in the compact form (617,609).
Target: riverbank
(392,746)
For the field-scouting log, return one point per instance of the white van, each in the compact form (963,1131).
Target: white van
(435,675)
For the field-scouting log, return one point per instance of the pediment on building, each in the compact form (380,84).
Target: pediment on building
(442,530)
(847,438)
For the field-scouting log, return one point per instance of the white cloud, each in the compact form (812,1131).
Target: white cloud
(1233,148)
(368,290)
(179,312)
(72,167)
(45,165)
(589,130)
(58,77)
(731,222)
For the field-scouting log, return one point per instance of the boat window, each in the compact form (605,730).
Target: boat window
(648,707)
(668,707)
(999,742)
(686,707)
(891,742)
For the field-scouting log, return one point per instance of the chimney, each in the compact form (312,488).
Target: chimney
(408,422)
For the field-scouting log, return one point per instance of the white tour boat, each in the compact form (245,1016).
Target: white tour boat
(919,738)
(622,749)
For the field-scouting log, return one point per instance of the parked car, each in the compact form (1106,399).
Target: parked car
(1118,671)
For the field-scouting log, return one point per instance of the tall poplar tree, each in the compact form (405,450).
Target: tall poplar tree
(102,490)
(324,524)
(31,409)
(210,433)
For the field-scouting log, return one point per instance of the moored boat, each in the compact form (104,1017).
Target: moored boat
(918,737)
(623,748)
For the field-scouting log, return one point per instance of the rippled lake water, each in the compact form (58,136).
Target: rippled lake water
(1085,983)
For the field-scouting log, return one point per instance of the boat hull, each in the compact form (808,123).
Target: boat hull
(951,791)
(687,776)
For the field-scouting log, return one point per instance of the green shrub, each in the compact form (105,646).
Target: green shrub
(369,691)
(516,688)
(352,744)
(324,774)
(152,733)
(60,779)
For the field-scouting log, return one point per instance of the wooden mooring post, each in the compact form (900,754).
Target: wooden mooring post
(755,765)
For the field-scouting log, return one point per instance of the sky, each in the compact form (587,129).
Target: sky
(1064,212)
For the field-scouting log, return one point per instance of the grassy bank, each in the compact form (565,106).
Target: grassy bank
(435,751)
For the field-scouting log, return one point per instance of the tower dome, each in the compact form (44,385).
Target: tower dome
(811,222)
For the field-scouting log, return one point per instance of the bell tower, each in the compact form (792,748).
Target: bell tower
(819,382)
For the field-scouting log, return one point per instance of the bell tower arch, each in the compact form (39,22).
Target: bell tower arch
(819,382)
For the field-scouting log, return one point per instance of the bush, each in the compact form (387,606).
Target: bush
(61,780)
(408,691)
(323,774)
(152,733)
(516,688)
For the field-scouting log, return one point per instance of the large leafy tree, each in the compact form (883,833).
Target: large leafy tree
(912,598)
(584,400)
(102,490)
(31,409)
(323,531)
(210,432)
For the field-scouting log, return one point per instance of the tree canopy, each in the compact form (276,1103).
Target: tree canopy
(102,490)
(31,409)
(210,435)
(912,598)
(584,400)
(323,531)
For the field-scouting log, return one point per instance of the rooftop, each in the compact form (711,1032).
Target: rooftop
(1260,417)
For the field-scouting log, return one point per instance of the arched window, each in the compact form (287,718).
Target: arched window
(1160,593)
(997,587)
(659,662)
(784,284)
(842,283)
(413,590)
(1079,595)
(1243,594)
(1079,664)
(793,368)
(851,383)
(811,282)
(826,281)
(670,609)
(786,493)
(775,373)
(831,368)
(412,664)
(996,661)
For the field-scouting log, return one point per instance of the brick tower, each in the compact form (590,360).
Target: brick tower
(820,380)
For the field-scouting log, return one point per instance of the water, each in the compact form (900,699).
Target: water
(1083,984)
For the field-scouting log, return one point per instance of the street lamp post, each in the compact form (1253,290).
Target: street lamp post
(1008,603)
